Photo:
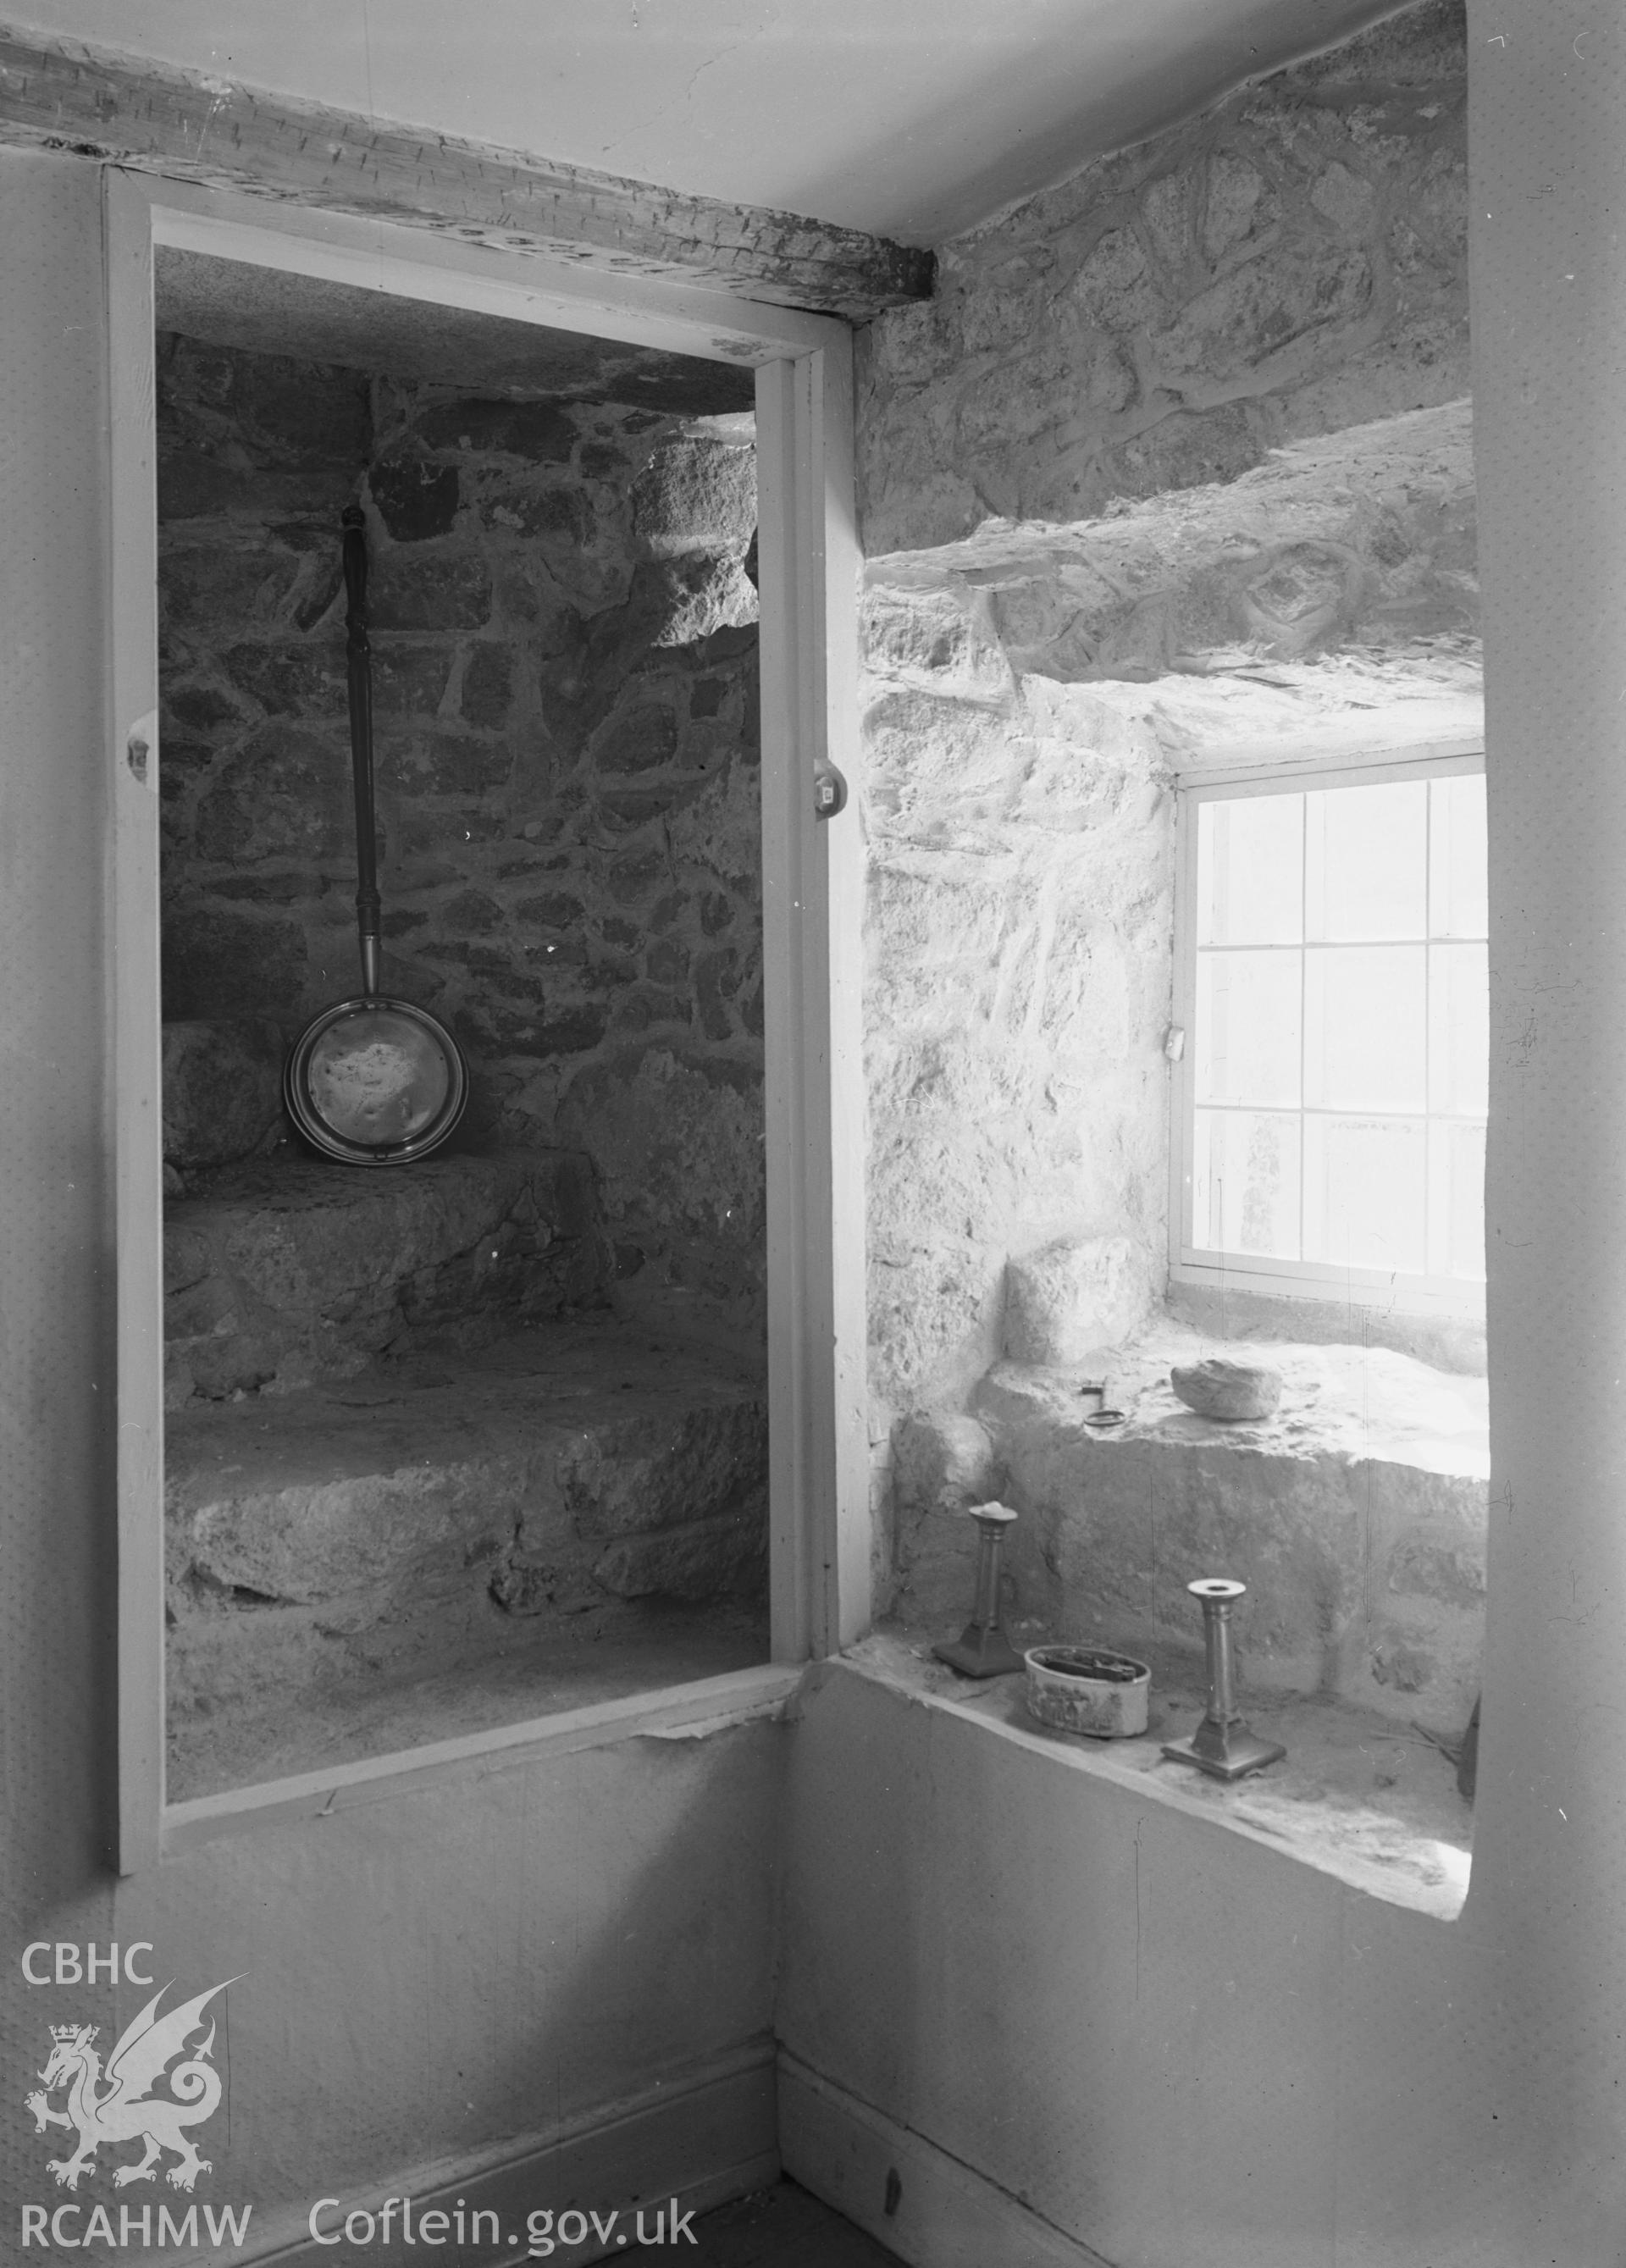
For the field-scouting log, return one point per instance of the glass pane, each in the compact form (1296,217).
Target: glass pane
(1457,1201)
(1245,1183)
(1248,1042)
(1366,1028)
(1366,861)
(1250,870)
(1459,1029)
(1457,878)
(1366,1182)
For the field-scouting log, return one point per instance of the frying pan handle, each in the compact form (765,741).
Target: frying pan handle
(359,658)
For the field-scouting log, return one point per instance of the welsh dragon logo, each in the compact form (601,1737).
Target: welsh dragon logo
(117,2105)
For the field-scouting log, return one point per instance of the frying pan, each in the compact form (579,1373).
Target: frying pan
(374,1081)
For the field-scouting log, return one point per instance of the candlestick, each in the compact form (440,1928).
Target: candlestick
(1222,1745)
(983,1649)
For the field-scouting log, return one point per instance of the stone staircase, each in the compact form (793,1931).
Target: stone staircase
(288,1271)
(411,1451)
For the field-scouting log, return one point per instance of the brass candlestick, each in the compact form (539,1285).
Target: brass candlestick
(983,1649)
(1222,1744)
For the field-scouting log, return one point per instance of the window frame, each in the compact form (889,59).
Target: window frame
(1192,1266)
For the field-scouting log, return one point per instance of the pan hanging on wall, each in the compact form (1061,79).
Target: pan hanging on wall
(374,1081)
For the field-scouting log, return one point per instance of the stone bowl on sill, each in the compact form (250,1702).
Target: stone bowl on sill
(1233,1392)
(1088,1688)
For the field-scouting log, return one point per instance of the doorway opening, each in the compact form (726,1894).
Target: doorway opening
(460,1447)
(487,1430)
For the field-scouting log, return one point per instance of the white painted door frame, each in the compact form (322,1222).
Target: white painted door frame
(812,874)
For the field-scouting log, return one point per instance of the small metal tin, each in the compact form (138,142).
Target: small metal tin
(1088,1688)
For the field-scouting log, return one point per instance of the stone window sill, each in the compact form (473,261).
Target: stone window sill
(1359,1796)
(1355,1515)
(1345,1400)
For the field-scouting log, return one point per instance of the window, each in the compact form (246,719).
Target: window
(1329,1138)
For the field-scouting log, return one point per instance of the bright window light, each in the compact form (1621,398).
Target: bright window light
(1335,1090)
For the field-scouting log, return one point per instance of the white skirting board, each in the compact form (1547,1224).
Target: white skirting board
(702,2137)
(944,2214)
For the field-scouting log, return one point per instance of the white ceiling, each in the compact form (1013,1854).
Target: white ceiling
(913,119)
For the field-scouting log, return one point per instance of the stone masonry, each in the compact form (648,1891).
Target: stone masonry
(1356,1514)
(1040,612)
(1177,458)
(566,746)
(1291,262)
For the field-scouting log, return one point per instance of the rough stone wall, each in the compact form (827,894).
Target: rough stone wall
(566,748)
(1017,980)
(1291,264)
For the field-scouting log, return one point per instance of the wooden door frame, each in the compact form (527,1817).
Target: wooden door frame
(813,880)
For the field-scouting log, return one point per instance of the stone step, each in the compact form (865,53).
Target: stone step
(291,1270)
(436,1509)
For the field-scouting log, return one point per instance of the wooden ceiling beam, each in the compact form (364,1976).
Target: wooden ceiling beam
(134,111)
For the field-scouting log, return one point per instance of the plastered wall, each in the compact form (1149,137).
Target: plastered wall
(439,1976)
(1172,2044)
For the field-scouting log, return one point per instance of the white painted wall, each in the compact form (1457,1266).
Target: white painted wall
(449,1975)
(1173,2046)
